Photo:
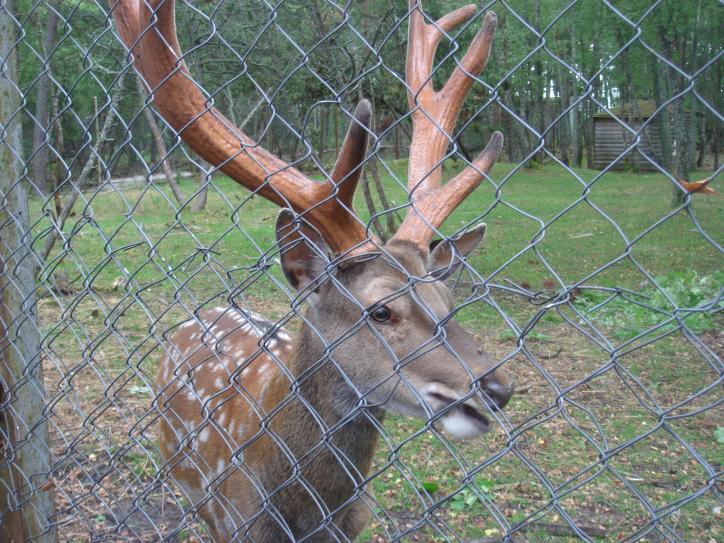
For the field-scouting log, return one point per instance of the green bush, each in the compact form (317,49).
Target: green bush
(693,298)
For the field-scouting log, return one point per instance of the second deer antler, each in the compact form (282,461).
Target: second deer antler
(434,114)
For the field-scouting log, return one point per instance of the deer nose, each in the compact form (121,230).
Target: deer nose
(498,392)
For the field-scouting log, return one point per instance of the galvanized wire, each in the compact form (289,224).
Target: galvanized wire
(106,294)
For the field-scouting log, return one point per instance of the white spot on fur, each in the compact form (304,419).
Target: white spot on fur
(204,435)
(264,389)
(265,371)
(189,426)
(186,463)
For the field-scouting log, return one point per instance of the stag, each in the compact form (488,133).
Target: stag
(269,437)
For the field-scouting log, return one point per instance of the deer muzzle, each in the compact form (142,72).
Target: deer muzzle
(496,386)
(461,418)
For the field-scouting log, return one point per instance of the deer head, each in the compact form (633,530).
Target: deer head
(379,332)
(377,278)
(388,315)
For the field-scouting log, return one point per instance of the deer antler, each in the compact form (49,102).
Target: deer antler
(148,29)
(434,114)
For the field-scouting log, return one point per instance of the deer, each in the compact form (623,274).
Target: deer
(270,436)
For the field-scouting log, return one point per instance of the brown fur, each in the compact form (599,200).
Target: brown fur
(236,433)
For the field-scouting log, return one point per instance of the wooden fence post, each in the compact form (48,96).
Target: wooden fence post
(26,501)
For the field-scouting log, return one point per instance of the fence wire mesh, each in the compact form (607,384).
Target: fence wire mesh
(597,290)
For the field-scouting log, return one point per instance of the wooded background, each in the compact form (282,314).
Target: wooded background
(281,74)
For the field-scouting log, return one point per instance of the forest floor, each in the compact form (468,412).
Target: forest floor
(581,441)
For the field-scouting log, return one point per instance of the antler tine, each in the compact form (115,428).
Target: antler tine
(148,29)
(434,114)
(348,168)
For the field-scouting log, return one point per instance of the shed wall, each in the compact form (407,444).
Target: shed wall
(611,139)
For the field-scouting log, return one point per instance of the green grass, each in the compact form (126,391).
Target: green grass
(577,244)
(147,266)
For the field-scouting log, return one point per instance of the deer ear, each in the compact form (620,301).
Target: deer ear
(446,255)
(303,252)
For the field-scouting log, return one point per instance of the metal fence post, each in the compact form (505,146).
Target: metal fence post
(25,508)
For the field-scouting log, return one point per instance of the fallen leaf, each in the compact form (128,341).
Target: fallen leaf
(698,186)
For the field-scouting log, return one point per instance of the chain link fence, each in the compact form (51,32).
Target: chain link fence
(598,289)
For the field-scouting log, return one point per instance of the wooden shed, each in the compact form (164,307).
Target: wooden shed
(610,138)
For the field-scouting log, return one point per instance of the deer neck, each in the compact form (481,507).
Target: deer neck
(325,403)
(332,441)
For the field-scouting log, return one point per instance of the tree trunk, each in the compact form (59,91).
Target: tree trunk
(81,179)
(524,132)
(26,508)
(633,114)
(371,208)
(540,89)
(595,94)
(322,133)
(681,150)
(574,132)
(563,125)
(199,200)
(716,133)
(371,167)
(389,216)
(336,132)
(511,127)
(511,143)
(691,137)
(679,132)
(691,125)
(573,136)
(57,168)
(662,119)
(702,146)
(397,141)
(588,134)
(41,135)
(161,148)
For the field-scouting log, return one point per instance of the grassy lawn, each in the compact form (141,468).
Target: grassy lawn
(583,426)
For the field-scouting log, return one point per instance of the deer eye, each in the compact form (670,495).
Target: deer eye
(381,313)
